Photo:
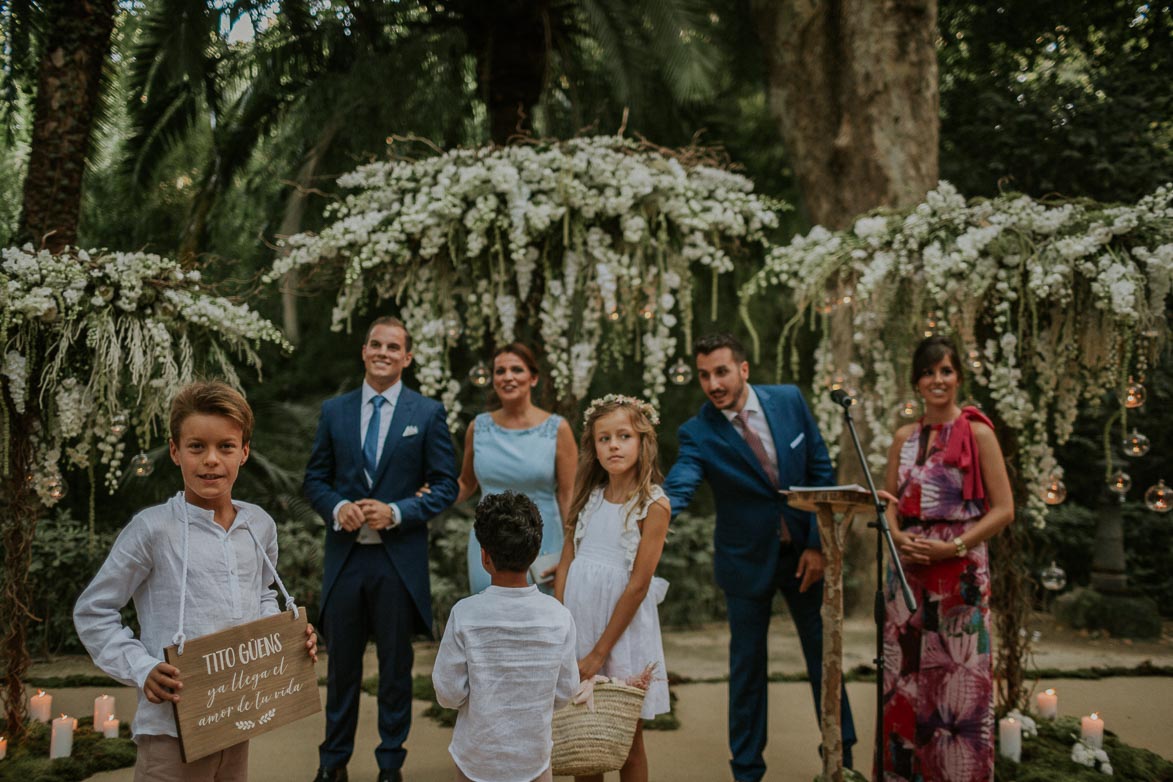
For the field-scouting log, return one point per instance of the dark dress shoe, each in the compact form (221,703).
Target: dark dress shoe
(331,775)
(390,775)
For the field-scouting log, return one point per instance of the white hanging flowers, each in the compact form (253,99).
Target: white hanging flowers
(1053,302)
(109,337)
(550,239)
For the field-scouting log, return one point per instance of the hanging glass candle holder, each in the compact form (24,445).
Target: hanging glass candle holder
(119,423)
(141,466)
(57,490)
(909,410)
(1120,483)
(1159,498)
(615,313)
(1053,577)
(647,311)
(680,372)
(827,305)
(1055,491)
(975,361)
(479,375)
(837,382)
(453,329)
(1136,444)
(1134,395)
(931,324)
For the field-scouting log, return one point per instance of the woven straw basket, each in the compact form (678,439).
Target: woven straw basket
(587,742)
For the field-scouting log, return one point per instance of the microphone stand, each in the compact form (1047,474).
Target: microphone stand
(883,534)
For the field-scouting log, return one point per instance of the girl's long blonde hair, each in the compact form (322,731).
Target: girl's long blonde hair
(590,473)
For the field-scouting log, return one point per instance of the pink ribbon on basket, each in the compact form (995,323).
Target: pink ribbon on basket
(586,691)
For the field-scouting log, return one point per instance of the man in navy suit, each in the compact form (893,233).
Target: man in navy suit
(749,442)
(374,447)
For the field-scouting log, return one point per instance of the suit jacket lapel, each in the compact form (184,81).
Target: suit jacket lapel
(726,431)
(352,424)
(778,430)
(404,409)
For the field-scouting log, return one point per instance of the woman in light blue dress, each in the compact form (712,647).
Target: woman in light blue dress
(522,448)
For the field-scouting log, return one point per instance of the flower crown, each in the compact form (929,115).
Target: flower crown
(621,399)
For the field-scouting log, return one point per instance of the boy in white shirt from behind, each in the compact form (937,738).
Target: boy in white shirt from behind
(508,656)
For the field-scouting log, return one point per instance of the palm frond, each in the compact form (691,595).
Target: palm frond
(679,42)
(172,71)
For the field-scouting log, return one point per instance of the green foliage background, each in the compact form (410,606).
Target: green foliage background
(1038,96)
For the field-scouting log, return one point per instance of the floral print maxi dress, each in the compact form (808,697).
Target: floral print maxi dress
(938,679)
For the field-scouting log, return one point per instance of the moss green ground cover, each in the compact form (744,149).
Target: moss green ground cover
(91,753)
(1047,758)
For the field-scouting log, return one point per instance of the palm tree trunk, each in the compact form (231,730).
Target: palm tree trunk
(19,510)
(291,222)
(76,46)
(511,41)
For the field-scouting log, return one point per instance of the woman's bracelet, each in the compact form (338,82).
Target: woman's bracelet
(961,547)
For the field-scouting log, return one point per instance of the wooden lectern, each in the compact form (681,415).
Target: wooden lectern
(827,504)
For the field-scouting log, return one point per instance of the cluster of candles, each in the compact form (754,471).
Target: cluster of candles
(61,738)
(1091,728)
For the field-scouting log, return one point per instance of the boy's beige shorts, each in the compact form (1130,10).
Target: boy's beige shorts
(159,760)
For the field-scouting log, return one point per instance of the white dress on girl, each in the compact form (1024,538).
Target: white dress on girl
(606,539)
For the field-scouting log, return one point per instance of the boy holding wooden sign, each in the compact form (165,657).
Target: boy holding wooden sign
(194,565)
(508,657)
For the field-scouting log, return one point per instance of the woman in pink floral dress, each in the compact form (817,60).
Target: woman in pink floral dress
(950,493)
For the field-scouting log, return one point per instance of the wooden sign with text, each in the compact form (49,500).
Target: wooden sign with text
(242,682)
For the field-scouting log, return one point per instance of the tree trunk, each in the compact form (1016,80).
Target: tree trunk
(1109,568)
(853,88)
(291,223)
(511,41)
(19,510)
(77,43)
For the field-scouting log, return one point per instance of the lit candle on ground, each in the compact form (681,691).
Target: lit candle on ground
(110,727)
(1048,702)
(1091,730)
(61,740)
(103,710)
(41,706)
(3,747)
(1010,738)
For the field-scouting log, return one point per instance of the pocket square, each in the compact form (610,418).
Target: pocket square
(797,441)
(411,431)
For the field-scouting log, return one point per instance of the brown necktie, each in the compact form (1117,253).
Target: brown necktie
(759,450)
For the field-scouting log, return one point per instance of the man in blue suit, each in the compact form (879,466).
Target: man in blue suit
(749,442)
(374,447)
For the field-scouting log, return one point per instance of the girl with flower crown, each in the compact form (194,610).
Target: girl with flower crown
(618,523)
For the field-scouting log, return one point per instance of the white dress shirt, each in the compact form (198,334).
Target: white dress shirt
(757,422)
(226,586)
(367,535)
(506,663)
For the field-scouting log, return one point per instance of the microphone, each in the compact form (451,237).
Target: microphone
(842,398)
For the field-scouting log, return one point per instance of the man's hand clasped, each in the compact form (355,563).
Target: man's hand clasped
(373,513)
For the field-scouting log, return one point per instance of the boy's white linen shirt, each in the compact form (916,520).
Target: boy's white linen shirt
(227,585)
(507,661)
